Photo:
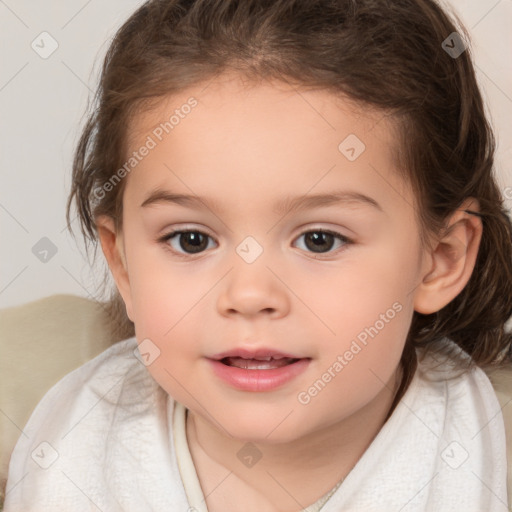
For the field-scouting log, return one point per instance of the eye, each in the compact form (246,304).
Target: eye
(188,241)
(322,241)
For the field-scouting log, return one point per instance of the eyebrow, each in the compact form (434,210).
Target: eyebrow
(286,205)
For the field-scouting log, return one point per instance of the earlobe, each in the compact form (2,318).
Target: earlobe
(453,260)
(113,249)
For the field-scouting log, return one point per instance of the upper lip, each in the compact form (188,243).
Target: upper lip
(256,353)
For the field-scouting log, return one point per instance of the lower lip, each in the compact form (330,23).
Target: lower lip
(258,380)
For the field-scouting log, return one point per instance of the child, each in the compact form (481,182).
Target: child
(233,140)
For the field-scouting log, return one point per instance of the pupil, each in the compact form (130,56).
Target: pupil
(194,240)
(318,241)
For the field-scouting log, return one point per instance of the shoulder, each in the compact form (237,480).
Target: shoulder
(105,421)
(449,378)
(100,384)
(82,402)
(96,377)
(450,370)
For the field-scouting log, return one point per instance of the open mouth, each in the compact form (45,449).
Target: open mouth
(258,372)
(266,363)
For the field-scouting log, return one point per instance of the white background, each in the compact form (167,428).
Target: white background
(42,102)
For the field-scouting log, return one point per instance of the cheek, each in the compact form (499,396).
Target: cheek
(369,306)
(363,356)
(167,306)
(171,302)
(368,290)
(161,292)
(164,306)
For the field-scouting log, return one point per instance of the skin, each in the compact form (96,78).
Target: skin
(248,147)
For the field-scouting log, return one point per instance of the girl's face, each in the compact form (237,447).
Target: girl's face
(303,242)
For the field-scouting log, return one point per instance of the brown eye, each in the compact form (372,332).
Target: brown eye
(320,241)
(188,242)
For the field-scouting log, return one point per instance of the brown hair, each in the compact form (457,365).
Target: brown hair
(388,55)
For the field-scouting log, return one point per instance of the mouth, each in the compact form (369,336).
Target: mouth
(256,358)
(257,370)
(260,363)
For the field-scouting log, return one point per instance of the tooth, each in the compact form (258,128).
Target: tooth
(255,364)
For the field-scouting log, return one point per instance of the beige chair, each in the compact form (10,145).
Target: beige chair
(42,341)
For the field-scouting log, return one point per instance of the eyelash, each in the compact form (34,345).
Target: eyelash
(165,241)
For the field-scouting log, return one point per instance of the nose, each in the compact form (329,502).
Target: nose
(252,289)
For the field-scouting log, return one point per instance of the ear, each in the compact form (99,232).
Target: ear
(113,249)
(453,260)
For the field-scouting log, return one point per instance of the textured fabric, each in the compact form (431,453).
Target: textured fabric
(106,425)
(501,380)
(188,473)
(442,450)
(102,437)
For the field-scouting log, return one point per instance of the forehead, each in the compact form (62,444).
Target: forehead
(264,100)
(264,132)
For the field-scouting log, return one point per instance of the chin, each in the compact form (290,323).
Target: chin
(262,437)
(264,429)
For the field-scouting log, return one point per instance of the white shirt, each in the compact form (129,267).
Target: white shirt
(108,437)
